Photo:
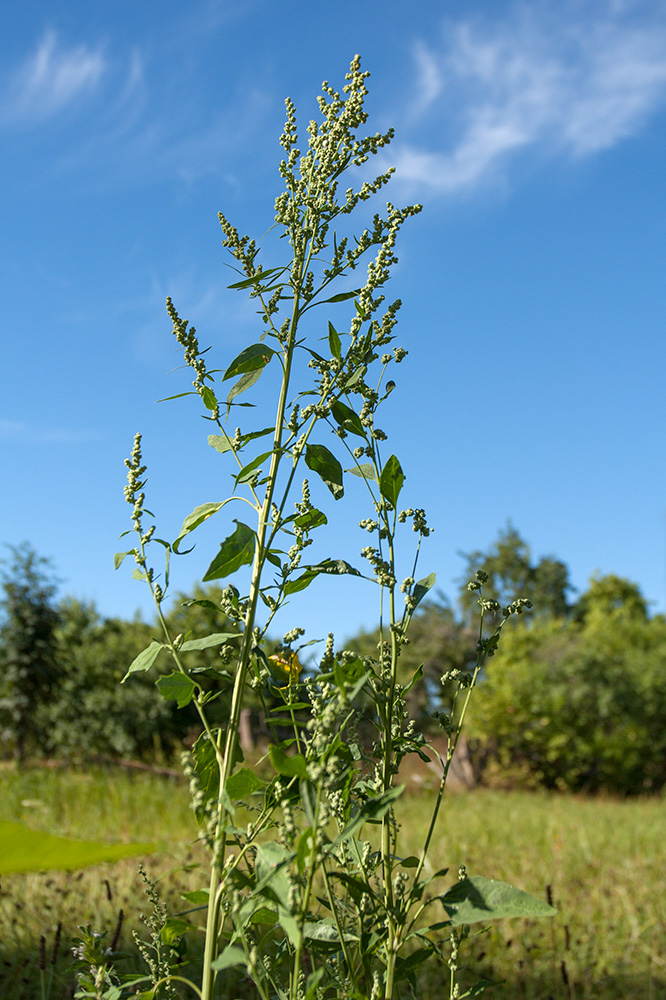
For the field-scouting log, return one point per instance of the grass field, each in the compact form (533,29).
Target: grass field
(603,860)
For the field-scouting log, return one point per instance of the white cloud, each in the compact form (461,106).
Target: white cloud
(50,79)
(14,430)
(558,80)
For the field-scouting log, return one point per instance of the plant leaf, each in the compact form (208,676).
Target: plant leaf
(209,398)
(215,639)
(334,341)
(232,954)
(25,850)
(176,687)
(325,464)
(145,659)
(244,382)
(243,782)
(365,471)
(422,587)
(391,480)
(235,551)
(477,899)
(347,418)
(258,277)
(119,556)
(293,766)
(372,810)
(251,469)
(197,517)
(253,358)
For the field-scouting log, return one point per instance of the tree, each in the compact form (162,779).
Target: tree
(512,574)
(29,668)
(580,703)
(92,713)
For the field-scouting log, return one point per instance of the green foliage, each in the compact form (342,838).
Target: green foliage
(580,703)
(29,668)
(299,897)
(90,713)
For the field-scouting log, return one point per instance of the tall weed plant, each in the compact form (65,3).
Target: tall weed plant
(309,895)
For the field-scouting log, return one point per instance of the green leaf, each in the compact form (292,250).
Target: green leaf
(230,957)
(219,442)
(372,810)
(197,517)
(365,471)
(410,862)
(215,639)
(312,518)
(271,861)
(209,398)
(176,687)
(253,358)
(258,277)
(334,341)
(25,850)
(243,782)
(422,587)
(337,567)
(173,929)
(235,551)
(251,469)
(347,418)
(293,766)
(325,464)
(415,678)
(324,930)
(476,899)
(206,767)
(244,382)
(300,583)
(341,297)
(391,480)
(145,659)
(198,897)
(119,556)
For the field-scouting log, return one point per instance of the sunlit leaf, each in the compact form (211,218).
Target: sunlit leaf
(347,418)
(176,687)
(477,899)
(253,358)
(235,551)
(365,470)
(325,464)
(25,850)
(391,480)
(145,659)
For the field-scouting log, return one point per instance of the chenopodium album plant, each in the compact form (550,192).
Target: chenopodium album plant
(309,895)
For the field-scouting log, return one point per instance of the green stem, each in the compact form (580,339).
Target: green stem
(231,741)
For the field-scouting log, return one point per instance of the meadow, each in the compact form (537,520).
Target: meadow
(600,860)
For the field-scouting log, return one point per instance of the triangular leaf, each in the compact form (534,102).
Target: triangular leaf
(197,517)
(176,687)
(253,358)
(477,899)
(145,659)
(235,551)
(365,471)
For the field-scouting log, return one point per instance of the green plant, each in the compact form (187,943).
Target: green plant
(579,704)
(29,668)
(309,893)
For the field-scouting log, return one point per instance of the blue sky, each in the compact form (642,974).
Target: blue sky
(534,310)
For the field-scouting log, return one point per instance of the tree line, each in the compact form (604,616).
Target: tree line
(574,698)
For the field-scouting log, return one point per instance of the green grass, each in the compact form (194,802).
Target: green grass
(604,861)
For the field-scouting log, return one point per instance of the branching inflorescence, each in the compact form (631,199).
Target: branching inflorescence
(302,897)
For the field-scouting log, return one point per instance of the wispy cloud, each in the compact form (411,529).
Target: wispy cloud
(50,79)
(569,80)
(14,430)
